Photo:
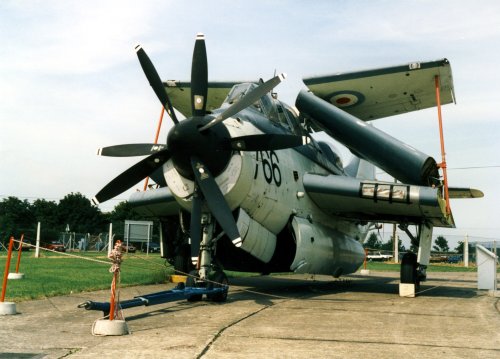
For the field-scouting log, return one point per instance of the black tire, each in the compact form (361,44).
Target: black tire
(220,279)
(409,269)
(182,260)
(191,282)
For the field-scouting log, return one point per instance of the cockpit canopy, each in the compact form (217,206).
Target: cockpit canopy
(275,110)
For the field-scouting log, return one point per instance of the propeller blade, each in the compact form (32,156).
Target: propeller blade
(155,82)
(130,150)
(247,100)
(215,199)
(195,225)
(131,176)
(265,142)
(199,77)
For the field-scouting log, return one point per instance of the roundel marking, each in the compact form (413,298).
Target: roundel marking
(345,99)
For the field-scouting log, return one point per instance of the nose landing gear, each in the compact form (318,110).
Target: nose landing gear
(208,275)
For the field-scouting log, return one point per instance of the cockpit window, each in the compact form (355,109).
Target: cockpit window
(269,108)
(238,91)
(274,110)
(291,118)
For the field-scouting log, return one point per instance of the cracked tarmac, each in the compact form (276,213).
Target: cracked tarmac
(286,316)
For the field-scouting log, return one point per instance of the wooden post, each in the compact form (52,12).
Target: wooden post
(37,250)
(466,251)
(366,256)
(110,239)
(116,256)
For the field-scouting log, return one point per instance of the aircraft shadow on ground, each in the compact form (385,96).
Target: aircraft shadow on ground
(269,290)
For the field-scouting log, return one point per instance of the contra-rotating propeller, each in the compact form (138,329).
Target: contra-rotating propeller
(200,146)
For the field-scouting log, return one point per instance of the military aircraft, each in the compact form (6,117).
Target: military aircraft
(244,184)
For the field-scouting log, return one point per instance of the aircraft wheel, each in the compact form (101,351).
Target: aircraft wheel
(182,260)
(191,282)
(220,279)
(409,269)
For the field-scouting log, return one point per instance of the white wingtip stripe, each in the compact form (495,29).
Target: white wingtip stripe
(95,201)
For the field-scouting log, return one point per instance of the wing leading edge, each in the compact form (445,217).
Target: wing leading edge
(377,201)
(157,203)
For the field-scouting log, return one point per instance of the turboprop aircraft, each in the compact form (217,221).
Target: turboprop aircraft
(242,183)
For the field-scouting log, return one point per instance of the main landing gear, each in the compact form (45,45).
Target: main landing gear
(409,273)
(414,267)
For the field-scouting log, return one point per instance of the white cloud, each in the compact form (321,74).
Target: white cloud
(61,37)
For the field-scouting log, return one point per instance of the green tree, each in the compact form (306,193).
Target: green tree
(16,218)
(389,245)
(123,211)
(45,212)
(372,242)
(460,247)
(441,244)
(76,211)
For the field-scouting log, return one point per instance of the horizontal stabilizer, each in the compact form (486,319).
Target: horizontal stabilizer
(455,192)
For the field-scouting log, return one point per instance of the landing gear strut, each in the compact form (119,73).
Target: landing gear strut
(413,267)
(208,275)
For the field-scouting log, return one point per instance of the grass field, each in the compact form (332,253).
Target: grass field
(57,274)
(436,267)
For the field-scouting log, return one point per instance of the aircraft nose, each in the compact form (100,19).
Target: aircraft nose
(185,140)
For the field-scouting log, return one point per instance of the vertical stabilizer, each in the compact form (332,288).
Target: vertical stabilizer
(360,168)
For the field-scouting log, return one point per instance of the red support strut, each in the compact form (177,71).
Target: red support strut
(442,165)
(6,273)
(19,253)
(156,140)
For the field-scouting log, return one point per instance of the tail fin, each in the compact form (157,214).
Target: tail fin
(360,168)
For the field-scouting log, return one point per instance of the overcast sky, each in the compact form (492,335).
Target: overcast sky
(70,81)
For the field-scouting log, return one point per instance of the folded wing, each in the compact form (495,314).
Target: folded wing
(387,91)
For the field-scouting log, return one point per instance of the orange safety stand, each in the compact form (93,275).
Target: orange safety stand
(19,253)
(7,266)
(442,165)
(116,256)
(113,326)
